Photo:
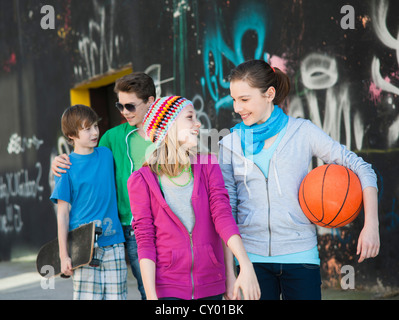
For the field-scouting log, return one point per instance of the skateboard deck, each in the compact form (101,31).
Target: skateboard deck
(81,243)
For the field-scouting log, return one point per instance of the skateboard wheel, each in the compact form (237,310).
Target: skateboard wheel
(98,231)
(94,263)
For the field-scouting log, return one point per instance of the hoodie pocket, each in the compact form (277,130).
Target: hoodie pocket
(299,219)
(176,270)
(208,268)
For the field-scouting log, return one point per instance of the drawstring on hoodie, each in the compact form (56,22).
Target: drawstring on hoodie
(272,163)
(128,151)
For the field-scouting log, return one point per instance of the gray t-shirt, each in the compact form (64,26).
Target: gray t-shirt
(179,201)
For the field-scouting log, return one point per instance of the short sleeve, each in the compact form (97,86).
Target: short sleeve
(62,189)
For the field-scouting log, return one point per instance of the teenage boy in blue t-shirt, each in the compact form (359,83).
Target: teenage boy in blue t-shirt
(86,193)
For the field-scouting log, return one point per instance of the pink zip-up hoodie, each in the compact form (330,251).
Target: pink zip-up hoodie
(187,266)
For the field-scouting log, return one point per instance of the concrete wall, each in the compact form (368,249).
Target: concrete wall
(345,79)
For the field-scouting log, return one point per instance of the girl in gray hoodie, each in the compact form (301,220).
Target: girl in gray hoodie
(263,162)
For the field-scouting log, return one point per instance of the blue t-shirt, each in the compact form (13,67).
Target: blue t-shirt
(89,186)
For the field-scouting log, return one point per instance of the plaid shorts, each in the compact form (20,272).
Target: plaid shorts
(106,282)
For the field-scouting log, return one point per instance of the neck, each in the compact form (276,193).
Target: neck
(140,130)
(83,150)
(269,111)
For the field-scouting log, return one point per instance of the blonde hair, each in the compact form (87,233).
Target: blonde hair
(171,156)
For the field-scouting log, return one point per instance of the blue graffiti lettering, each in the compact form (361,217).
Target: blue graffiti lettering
(216,49)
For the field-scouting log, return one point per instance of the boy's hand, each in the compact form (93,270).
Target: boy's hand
(66,266)
(59,162)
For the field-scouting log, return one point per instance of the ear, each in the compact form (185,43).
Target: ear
(151,99)
(270,94)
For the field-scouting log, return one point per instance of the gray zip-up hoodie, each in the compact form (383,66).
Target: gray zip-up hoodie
(267,211)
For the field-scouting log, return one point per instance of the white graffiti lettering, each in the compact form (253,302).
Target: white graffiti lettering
(100,45)
(18,144)
(14,186)
(380,13)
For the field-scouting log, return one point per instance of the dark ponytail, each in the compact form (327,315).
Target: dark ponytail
(261,75)
(283,86)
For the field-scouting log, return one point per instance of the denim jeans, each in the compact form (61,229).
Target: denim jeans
(131,248)
(289,281)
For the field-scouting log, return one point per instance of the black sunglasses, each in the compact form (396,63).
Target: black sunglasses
(129,107)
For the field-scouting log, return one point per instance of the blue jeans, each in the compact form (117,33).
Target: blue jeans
(292,281)
(131,248)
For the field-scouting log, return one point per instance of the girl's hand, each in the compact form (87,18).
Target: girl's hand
(368,245)
(247,282)
(230,281)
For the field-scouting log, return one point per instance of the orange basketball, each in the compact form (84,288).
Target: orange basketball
(331,196)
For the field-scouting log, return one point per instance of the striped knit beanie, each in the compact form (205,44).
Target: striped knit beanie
(161,115)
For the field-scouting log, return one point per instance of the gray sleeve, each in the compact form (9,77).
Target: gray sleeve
(331,151)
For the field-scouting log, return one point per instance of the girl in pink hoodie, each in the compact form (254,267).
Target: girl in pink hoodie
(182,216)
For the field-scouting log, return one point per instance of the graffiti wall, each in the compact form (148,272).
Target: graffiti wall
(341,56)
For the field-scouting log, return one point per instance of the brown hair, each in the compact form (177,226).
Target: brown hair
(76,118)
(137,82)
(259,74)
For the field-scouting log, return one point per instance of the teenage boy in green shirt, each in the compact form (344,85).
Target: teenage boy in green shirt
(136,92)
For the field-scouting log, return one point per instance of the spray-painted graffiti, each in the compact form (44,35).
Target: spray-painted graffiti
(62,147)
(347,87)
(385,79)
(319,72)
(13,187)
(216,49)
(18,185)
(318,77)
(18,145)
(381,83)
(10,62)
(154,71)
(99,48)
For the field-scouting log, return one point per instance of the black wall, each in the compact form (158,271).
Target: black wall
(345,80)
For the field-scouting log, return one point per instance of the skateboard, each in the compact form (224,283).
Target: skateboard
(82,244)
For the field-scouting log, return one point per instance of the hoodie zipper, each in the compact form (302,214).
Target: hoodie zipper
(191,240)
(268,217)
(268,209)
(192,265)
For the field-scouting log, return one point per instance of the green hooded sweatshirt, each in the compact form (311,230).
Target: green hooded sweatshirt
(121,141)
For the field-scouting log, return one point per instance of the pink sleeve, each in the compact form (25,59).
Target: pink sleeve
(143,222)
(219,202)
